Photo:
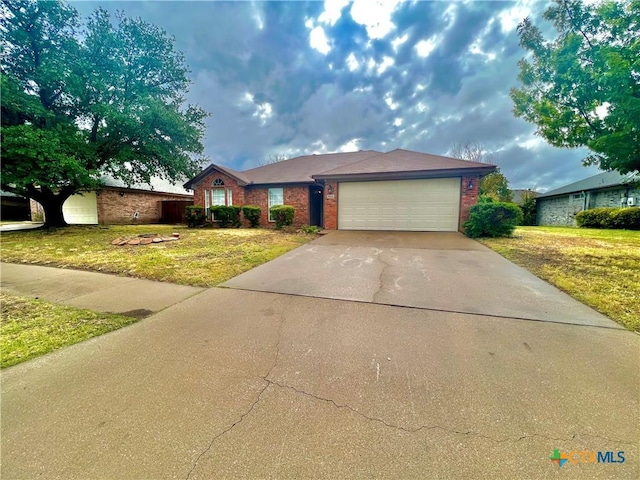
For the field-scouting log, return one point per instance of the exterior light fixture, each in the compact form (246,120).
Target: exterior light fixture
(470,184)
(330,189)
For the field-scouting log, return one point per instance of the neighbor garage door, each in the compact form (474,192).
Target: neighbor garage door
(418,205)
(81,209)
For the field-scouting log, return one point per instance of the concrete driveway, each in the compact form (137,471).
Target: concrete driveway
(233,383)
(436,271)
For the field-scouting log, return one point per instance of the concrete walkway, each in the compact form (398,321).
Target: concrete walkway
(95,291)
(12,227)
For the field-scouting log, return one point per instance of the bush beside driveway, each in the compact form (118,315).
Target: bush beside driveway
(601,268)
(202,257)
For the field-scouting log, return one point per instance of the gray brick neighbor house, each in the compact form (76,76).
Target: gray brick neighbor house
(608,189)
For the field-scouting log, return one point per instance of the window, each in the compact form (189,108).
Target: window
(578,196)
(217,182)
(217,196)
(276,197)
(229,196)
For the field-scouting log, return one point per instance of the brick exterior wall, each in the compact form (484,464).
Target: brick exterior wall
(331,205)
(297,197)
(206,184)
(114,208)
(468,198)
(562,210)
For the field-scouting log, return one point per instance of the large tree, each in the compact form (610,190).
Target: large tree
(583,87)
(81,102)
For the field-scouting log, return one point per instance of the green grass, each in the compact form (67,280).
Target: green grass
(599,267)
(202,257)
(31,328)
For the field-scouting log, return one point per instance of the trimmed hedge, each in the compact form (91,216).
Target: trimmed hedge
(252,214)
(622,218)
(195,216)
(492,219)
(226,216)
(282,215)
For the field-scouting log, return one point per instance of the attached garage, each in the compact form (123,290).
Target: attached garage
(414,205)
(81,209)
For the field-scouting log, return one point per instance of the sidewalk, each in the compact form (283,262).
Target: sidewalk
(94,291)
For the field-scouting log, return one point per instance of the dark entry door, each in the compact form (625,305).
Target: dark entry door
(315,206)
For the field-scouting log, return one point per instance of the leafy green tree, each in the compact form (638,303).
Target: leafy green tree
(583,88)
(80,104)
(496,186)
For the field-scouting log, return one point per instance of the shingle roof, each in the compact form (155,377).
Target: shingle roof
(601,180)
(301,169)
(158,184)
(400,160)
(308,168)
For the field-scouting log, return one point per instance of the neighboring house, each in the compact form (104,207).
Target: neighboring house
(13,207)
(519,195)
(365,190)
(608,189)
(116,203)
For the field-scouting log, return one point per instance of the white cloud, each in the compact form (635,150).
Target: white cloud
(509,19)
(396,42)
(375,15)
(386,63)
(352,62)
(388,98)
(425,47)
(318,40)
(352,145)
(332,11)
(474,48)
(398,122)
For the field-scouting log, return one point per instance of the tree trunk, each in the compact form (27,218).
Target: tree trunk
(52,204)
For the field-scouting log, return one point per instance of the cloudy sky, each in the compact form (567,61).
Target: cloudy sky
(296,78)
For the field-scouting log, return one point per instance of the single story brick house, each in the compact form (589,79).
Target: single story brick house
(365,190)
(607,189)
(115,203)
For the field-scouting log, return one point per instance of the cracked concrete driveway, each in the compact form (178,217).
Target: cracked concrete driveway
(436,271)
(241,384)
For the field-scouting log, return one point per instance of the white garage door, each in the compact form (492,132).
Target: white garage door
(81,209)
(418,205)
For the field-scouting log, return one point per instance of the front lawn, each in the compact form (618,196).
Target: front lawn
(31,328)
(601,268)
(202,257)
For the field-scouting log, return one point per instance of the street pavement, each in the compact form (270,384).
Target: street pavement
(233,383)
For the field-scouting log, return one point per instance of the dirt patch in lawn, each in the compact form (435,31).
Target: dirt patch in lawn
(202,257)
(601,268)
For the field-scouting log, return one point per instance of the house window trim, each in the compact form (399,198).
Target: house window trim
(269,204)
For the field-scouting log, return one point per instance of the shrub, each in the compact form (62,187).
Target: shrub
(226,216)
(282,215)
(195,216)
(309,229)
(252,214)
(492,219)
(528,207)
(623,218)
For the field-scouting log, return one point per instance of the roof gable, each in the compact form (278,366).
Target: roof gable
(237,176)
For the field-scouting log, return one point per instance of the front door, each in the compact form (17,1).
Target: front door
(315,205)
